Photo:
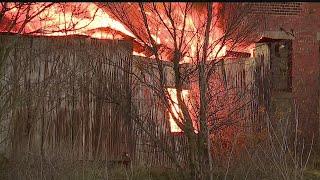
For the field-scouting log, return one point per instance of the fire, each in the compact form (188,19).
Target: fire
(176,111)
(219,51)
(89,19)
(92,20)
(79,17)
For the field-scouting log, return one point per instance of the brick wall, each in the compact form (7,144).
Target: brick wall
(277,8)
(301,20)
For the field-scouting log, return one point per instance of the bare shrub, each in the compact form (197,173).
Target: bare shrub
(276,152)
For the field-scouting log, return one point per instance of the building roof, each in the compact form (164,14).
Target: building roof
(237,54)
(266,39)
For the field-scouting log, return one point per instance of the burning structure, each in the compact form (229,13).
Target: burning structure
(83,95)
(98,99)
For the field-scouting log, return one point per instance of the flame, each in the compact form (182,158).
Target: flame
(95,22)
(54,19)
(219,52)
(85,17)
(176,111)
(195,25)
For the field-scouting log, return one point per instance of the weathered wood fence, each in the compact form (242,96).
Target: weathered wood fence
(80,98)
(60,89)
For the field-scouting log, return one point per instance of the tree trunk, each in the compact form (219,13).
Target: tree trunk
(204,139)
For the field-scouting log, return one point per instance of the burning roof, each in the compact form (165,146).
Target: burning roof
(120,21)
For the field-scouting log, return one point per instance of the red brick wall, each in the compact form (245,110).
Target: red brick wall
(287,8)
(305,67)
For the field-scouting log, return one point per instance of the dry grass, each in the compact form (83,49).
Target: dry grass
(279,153)
(32,168)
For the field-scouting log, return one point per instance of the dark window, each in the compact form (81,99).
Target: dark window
(281,65)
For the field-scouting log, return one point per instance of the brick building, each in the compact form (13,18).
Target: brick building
(293,27)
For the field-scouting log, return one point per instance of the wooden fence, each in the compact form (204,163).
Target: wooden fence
(81,98)
(59,91)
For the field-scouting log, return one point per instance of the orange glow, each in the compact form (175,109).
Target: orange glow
(138,54)
(80,16)
(195,30)
(96,23)
(219,52)
(176,111)
(89,19)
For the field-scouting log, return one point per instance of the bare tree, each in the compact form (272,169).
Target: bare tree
(32,19)
(45,18)
(181,33)
(188,32)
